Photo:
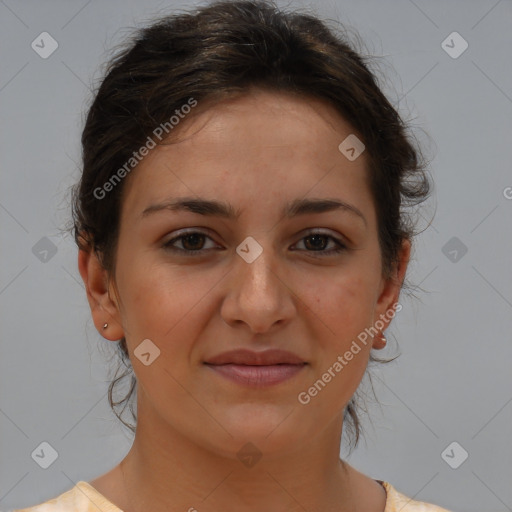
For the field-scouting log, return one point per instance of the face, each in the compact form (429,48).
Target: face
(198,284)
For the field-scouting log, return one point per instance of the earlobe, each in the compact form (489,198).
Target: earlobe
(379,341)
(103,309)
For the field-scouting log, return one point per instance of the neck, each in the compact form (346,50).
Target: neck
(165,470)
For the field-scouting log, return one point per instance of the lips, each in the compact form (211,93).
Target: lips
(256,369)
(249,357)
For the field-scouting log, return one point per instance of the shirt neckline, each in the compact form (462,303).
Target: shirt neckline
(89,490)
(94,495)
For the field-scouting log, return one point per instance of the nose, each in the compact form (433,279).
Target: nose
(259,294)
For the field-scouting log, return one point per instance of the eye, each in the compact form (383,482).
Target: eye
(318,241)
(193,242)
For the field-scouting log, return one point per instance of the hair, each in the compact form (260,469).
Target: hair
(216,52)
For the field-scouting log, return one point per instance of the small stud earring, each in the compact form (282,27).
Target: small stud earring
(383,338)
(105,326)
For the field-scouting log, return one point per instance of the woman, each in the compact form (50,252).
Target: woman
(242,235)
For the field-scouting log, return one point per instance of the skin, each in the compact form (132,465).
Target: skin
(257,152)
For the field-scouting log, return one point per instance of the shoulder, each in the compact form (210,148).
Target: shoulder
(396,501)
(81,498)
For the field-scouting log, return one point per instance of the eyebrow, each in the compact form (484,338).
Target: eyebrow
(225,210)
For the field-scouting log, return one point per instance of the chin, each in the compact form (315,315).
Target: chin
(269,427)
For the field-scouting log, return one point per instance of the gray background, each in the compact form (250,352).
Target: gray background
(453,380)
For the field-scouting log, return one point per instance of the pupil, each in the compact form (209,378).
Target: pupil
(194,237)
(317,238)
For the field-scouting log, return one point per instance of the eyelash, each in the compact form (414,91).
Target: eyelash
(322,253)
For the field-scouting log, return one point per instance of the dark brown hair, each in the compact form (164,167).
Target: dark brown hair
(217,51)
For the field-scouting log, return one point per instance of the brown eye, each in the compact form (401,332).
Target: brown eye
(192,243)
(317,242)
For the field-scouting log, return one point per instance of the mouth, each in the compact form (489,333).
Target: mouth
(257,375)
(256,369)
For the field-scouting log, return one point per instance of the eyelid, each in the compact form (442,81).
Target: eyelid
(320,231)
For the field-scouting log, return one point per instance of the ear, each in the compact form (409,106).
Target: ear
(104,310)
(390,292)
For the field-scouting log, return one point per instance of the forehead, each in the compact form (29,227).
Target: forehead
(262,143)
(265,120)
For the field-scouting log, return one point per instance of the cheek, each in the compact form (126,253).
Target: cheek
(344,303)
(342,308)
(163,303)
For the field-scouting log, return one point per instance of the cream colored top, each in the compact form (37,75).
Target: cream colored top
(83,497)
